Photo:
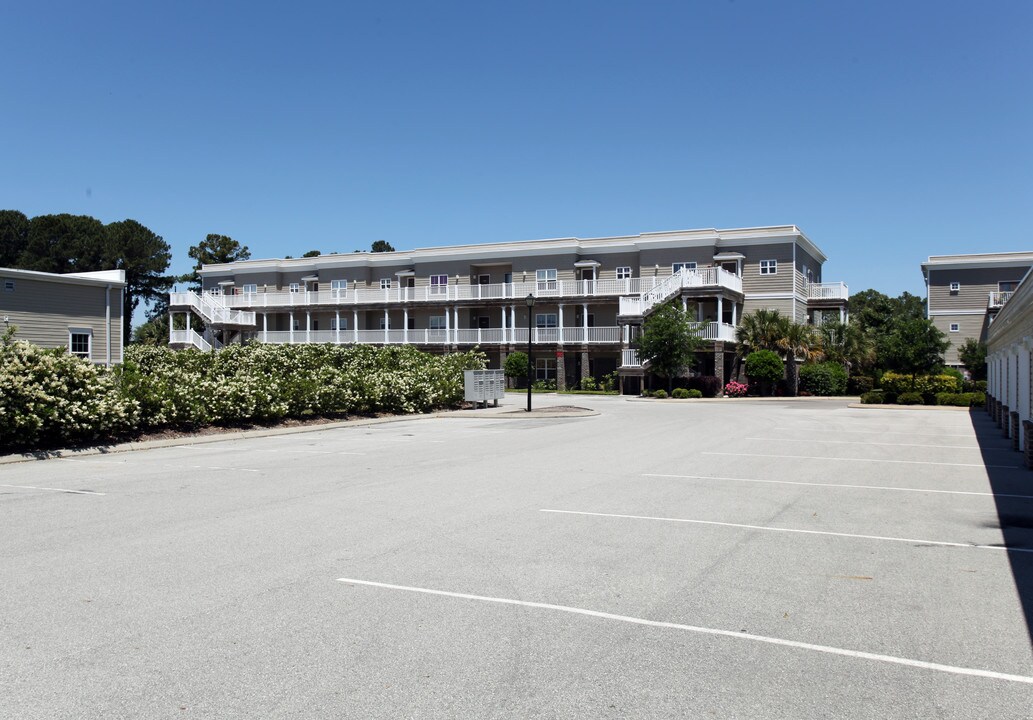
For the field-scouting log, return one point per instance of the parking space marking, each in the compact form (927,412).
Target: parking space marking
(62,490)
(842,485)
(882,460)
(857,442)
(309,452)
(795,644)
(912,541)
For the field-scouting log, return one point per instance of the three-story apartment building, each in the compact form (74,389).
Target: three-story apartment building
(590,296)
(967,291)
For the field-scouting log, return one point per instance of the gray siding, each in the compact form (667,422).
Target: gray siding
(976,286)
(970,326)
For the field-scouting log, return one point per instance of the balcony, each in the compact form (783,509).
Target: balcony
(998,299)
(817,292)
(711,278)
(451,336)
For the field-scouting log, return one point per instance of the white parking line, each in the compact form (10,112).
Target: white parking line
(857,654)
(62,490)
(837,431)
(812,441)
(825,457)
(913,541)
(841,485)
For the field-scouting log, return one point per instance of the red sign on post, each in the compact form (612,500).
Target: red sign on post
(559,353)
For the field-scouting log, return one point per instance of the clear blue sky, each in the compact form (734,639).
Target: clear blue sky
(887,131)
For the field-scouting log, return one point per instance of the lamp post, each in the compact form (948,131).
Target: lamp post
(530,306)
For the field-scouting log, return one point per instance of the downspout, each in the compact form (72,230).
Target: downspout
(107,323)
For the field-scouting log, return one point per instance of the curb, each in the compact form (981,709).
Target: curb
(937,408)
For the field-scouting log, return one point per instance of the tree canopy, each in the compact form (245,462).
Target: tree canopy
(973,354)
(669,342)
(214,250)
(14,235)
(914,346)
(381,246)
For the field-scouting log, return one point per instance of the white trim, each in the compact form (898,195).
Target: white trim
(88,332)
(769,296)
(944,313)
(100,278)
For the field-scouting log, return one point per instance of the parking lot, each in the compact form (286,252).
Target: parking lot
(727,559)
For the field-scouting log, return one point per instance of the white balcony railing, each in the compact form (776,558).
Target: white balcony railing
(668,287)
(452,336)
(212,309)
(189,337)
(998,299)
(828,291)
(629,358)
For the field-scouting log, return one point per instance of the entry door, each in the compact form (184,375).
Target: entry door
(588,280)
(732,267)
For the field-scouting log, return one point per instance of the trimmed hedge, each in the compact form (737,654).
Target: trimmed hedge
(873,397)
(973,399)
(923,384)
(910,398)
(860,384)
(764,365)
(48,397)
(680,394)
(825,379)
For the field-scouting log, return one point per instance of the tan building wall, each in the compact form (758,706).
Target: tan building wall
(46,311)
(976,286)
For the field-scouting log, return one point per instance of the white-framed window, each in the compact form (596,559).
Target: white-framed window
(546,320)
(217,290)
(955,287)
(295,287)
(437,322)
(438,284)
(80,342)
(677,267)
(507,278)
(385,323)
(8,285)
(546,279)
(623,272)
(545,368)
(385,283)
(343,324)
(769,267)
(955,327)
(484,279)
(339,287)
(249,289)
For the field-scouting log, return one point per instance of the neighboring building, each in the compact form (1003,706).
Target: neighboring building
(966,292)
(81,312)
(1009,364)
(590,296)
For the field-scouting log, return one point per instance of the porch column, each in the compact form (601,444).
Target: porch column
(735,313)
(447,313)
(560,323)
(355,326)
(308,326)
(503,328)
(684,304)
(561,371)
(337,326)
(405,325)
(585,369)
(720,309)
(455,309)
(584,325)
(290,324)
(265,327)
(842,314)
(387,324)
(512,324)
(719,362)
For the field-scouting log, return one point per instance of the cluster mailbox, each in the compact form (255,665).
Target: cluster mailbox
(484,385)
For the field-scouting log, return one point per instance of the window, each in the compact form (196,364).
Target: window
(546,279)
(545,368)
(1007,286)
(545,320)
(249,289)
(438,284)
(677,267)
(623,273)
(385,323)
(340,287)
(8,285)
(215,290)
(343,324)
(80,341)
(437,322)
(955,327)
(507,278)
(295,287)
(483,279)
(769,267)
(955,287)
(385,283)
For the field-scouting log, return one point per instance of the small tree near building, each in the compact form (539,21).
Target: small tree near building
(973,356)
(516,366)
(669,342)
(764,367)
(915,347)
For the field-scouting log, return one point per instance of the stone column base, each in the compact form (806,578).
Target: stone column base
(561,371)
(1002,420)
(1027,443)
(1014,417)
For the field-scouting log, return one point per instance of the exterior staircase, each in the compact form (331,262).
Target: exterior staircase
(216,317)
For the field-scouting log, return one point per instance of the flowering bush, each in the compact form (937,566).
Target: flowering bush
(48,397)
(736,389)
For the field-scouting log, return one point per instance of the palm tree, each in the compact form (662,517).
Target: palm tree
(846,344)
(756,331)
(795,340)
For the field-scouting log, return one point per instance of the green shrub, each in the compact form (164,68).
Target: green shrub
(872,397)
(708,385)
(544,385)
(889,398)
(974,386)
(860,384)
(589,383)
(764,366)
(661,394)
(923,384)
(977,399)
(680,394)
(910,398)
(515,365)
(825,379)
(973,399)
(610,381)
(693,393)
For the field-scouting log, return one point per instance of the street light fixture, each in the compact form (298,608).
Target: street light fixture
(530,306)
